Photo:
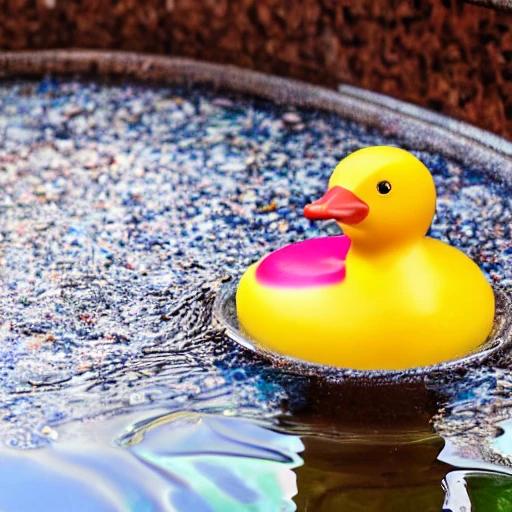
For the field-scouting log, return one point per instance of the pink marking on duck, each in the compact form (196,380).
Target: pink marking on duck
(315,262)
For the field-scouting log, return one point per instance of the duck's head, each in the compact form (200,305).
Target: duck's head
(381,196)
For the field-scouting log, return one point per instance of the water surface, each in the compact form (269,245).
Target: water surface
(122,210)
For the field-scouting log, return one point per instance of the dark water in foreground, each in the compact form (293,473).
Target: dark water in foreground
(122,210)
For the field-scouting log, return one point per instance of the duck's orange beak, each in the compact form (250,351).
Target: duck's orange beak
(339,204)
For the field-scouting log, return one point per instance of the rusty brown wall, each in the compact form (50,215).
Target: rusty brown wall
(443,54)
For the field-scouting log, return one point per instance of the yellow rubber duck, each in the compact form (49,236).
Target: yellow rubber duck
(383,296)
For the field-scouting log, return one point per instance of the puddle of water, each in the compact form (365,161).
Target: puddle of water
(122,209)
(186,461)
(177,462)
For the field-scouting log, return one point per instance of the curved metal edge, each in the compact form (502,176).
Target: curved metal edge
(468,131)
(501,336)
(415,127)
(504,5)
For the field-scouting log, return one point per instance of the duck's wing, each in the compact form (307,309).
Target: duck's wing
(315,262)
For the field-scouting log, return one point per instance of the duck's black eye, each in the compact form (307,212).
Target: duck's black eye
(384,187)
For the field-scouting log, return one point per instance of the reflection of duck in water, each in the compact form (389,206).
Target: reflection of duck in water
(382,297)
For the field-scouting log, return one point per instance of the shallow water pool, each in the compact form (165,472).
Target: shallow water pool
(123,209)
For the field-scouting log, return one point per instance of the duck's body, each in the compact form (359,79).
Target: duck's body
(388,297)
(387,312)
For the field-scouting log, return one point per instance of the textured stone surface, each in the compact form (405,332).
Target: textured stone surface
(445,55)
